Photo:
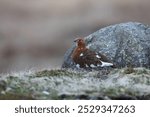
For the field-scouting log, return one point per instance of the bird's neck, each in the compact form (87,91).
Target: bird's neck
(78,50)
(81,46)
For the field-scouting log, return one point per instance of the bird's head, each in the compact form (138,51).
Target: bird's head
(80,42)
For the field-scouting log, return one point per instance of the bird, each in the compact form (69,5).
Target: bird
(86,58)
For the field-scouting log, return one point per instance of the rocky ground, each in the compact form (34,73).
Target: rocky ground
(125,83)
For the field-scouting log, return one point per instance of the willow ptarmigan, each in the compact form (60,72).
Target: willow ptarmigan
(86,58)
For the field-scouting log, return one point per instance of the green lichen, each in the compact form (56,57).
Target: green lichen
(3,85)
(12,77)
(56,73)
(129,70)
(15,96)
(142,71)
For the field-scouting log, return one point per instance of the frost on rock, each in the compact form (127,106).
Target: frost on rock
(67,84)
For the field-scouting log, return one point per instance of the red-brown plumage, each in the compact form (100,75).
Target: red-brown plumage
(86,58)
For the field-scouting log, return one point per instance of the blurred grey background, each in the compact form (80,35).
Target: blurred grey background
(35,34)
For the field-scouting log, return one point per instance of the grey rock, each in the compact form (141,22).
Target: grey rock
(126,44)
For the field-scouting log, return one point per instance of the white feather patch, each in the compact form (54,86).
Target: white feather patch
(81,54)
(106,64)
(86,65)
(98,56)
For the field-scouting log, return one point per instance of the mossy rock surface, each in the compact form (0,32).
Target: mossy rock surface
(56,73)
(67,84)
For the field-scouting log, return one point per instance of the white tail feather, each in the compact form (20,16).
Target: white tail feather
(106,64)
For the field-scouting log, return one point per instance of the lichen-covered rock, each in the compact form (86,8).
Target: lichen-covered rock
(126,44)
